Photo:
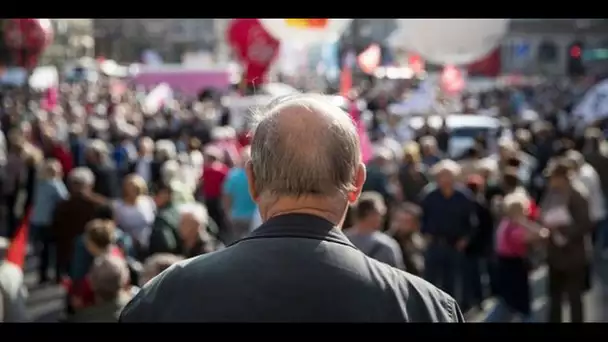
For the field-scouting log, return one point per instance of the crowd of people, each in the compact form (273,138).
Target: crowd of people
(116,194)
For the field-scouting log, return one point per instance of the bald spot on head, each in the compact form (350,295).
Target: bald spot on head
(305,146)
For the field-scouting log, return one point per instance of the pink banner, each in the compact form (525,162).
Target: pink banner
(364,142)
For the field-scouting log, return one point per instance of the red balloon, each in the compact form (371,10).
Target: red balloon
(255,48)
(27,39)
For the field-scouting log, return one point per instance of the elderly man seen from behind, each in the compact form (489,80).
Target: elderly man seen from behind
(298,266)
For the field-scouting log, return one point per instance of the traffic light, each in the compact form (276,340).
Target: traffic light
(575,65)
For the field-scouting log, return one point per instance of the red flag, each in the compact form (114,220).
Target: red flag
(369,59)
(255,48)
(17,249)
(346,81)
(452,81)
(416,63)
(488,66)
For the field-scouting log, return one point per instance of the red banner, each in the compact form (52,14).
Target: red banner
(452,80)
(255,48)
(416,63)
(27,39)
(488,66)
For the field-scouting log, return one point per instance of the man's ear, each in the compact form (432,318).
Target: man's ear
(360,177)
(251,181)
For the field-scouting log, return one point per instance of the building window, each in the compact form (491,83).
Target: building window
(548,52)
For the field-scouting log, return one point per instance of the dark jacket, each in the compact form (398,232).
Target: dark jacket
(576,252)
(164,237)
(377,181)
(107,312)
(106,179)
(412,179)
(293,268)
(69,220)
(481,242)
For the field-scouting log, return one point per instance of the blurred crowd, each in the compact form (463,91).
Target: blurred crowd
(115,194)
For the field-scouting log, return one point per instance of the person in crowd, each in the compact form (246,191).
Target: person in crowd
(109,279)
(412,174)
(238,204)
(82,259)
(596,154)
(470,163)
(478,252)
(50,190)
(98,238)
(405,229)
(430,152)
(71,215)
(565,211)
(449,222)
(124,154)
(19,173)
(195,156)
(165,151)
(366,235)
(134,212)
(586,175)
(377,178)
(13,292)
(57,149)
(514,234)
(156,264)
(164,236)
(77,145)
(302,203)
(142,165)
(195,239)
(182,181)
(214,175)
(98,161)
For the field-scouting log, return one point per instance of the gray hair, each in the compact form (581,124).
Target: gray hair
(446,165)
(166,149)
(98,146)
(292,162)
(169,171)
(81,176)
(197,211)
(156,264)
(109,275)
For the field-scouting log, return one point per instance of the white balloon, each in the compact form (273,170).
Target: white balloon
(281,30)
(450,41)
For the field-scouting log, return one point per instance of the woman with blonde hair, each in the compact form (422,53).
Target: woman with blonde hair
(48,192)
(135,212)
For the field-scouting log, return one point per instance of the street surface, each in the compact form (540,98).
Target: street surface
(595,301)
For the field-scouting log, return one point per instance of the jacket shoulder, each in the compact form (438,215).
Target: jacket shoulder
(160,292)
(420,300)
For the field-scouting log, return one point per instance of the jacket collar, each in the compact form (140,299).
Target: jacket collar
(300,226)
